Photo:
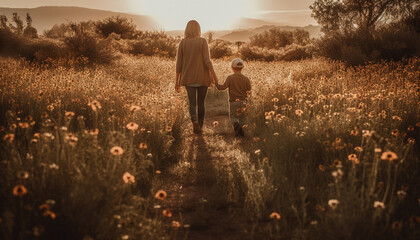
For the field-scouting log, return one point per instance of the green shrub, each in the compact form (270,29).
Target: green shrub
(220,49)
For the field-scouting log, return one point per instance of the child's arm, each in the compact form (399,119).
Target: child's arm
(224,86)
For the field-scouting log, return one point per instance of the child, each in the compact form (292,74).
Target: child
(239,86)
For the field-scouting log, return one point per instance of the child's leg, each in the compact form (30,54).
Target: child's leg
(234,116)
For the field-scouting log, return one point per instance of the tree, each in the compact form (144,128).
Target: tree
(209,36)
(363,15)
(30,31)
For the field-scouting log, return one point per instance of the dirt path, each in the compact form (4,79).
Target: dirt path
(201,186)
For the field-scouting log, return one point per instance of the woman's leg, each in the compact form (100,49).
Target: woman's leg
(192,101)
(201,97)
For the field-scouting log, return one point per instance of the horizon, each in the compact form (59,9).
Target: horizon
(209,14)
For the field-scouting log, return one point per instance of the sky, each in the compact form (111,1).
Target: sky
(173,14)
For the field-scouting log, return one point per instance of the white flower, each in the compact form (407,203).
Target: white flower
(258,152)
(333,203)
(378,205)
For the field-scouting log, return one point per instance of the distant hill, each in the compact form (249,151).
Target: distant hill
(245,34)
(46,17)
(246,23)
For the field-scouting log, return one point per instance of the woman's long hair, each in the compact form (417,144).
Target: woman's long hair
(192,30)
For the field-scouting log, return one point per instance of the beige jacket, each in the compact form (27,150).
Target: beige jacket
(193,61)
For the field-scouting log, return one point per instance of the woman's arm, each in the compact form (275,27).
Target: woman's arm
(177,82)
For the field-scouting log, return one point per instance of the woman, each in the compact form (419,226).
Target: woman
(193,69)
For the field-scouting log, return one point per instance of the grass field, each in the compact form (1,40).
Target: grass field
(331,152)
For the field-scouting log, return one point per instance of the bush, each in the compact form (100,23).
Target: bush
(296,53)
(154,43)
(61,31)
(275,38)
(293,52)
(86,44)
(220,48)
(119,25)
(249,53)
(392,42)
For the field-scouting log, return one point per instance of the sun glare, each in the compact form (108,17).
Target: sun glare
(212,15)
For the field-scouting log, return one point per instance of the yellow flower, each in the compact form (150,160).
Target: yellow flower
(176,224)
(116,151)
(95,105)
(389,155)
(19,190)
(299,112)
(143,145)
(167,213)
(132,126)
(128,178)
(275,216)
(161,195)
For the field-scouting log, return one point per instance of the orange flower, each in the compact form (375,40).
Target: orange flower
(44,207)
(390,156)
(275,216)
(95,105)
(69,114)
(50,214)
(128,178)
(395,133)
(116,151)
(19,190)
(132,126)
(161,195)
(176,224)
(143,145)
(167,213)
(353,157)
(9,137)
(23,125)
(168,128)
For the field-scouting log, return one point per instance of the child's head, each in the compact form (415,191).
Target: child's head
(237,64)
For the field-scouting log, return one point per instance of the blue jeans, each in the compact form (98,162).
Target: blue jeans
(237,112)
(196,98)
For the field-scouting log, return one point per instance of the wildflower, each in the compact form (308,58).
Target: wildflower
(276,134)
(132,126)
(411,140)
(134,108)
(215,123)
(158,172)
(401,194)
(299,112)
(378,205)
(337,174)
(125,237)
(23,125)
(95,105)
(9,137)
(167,213)
(116,151)
(354,132)
(333,203)
(23,175)
(44,207)
(389,155)
(161,195)
(313,223)
(128,178)
(397,118)
(410,128)
(143,129)
(50,202)
(275,216)
(257,152)
(72,139)
(396,226)
(44,115)
(265,159)
(321,167)
(353,157)
(69,114)
(377,150)
(143,145)
(19,190)
(358,149)
(50,107)
(275,100)
(319,208)
(175,224)
(168,128)
(395,133)
(149,155)
(50,214)
(94,132)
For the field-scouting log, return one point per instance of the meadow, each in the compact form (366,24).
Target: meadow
(331,151)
